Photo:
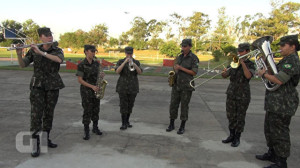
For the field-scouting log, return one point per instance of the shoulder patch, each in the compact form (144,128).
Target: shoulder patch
(287,66)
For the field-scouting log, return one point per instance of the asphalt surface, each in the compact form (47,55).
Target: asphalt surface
(147,144)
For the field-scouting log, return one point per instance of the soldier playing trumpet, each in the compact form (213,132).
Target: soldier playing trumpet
(128,85)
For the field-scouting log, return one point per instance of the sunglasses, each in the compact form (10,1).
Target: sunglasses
(184,46)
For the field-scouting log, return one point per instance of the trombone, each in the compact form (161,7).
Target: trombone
(234,64)
(14,46)
(195,86)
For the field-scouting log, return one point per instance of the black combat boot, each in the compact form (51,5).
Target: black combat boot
(231,136)
(36,146)
(127,121)
(124,122)
(181,128)
(86,132)
(50,144)
(236,140)
(269,156)
(171,126)
(96,129)
(279,163)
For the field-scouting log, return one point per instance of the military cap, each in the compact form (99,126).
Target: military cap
(243,46)
(128,50)
(186,42)
(89,47)
(290,39)
(44,31)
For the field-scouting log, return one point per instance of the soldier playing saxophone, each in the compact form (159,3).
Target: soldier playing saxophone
(87,74)
(186,66)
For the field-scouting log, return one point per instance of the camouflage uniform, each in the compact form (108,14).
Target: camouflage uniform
(238,96)
(127,86)
(182,91)
(90,104)
(45,84)
(281,105)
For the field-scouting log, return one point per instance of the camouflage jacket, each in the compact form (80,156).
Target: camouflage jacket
(239,87)
(45,73)
(128,81)
(88,72)
(285,99)
(182,79)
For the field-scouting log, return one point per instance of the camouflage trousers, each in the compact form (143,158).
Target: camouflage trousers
(236,113)
(183,98)
(127,102)
(277,133)
(90,104)
(42,108)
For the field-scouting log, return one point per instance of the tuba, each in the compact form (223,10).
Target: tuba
(101,83)
(264,53)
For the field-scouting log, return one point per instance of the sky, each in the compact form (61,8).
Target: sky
(70,15)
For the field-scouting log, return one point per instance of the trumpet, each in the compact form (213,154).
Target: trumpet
(131,67)
(15,47)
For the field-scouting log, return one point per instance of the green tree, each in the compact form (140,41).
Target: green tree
(155,29)
(81,38)
(221,36)
(98,35)
(155,43)
(138,33)
(124,39)
(217,54)
(168,31)
(30,29)
(243,28)
(113,42)
(180,22)
(283,19)
(67,39)
(170,48)
(199,26)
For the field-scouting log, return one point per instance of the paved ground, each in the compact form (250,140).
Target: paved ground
(145,145)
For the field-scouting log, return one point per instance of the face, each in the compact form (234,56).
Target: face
(90,54)
(287,49)
(46,38)
(241,53)
(186,48)
(128,55)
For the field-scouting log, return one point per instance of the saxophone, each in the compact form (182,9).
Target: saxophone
(101,83)
(172,74)
(171,78)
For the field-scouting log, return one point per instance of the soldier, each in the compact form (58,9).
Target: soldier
(128,85)
(238,95)
(281,104)
(44,86)
(186,67)
(87,73)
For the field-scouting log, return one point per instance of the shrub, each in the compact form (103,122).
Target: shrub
(217,54)
(170,49)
